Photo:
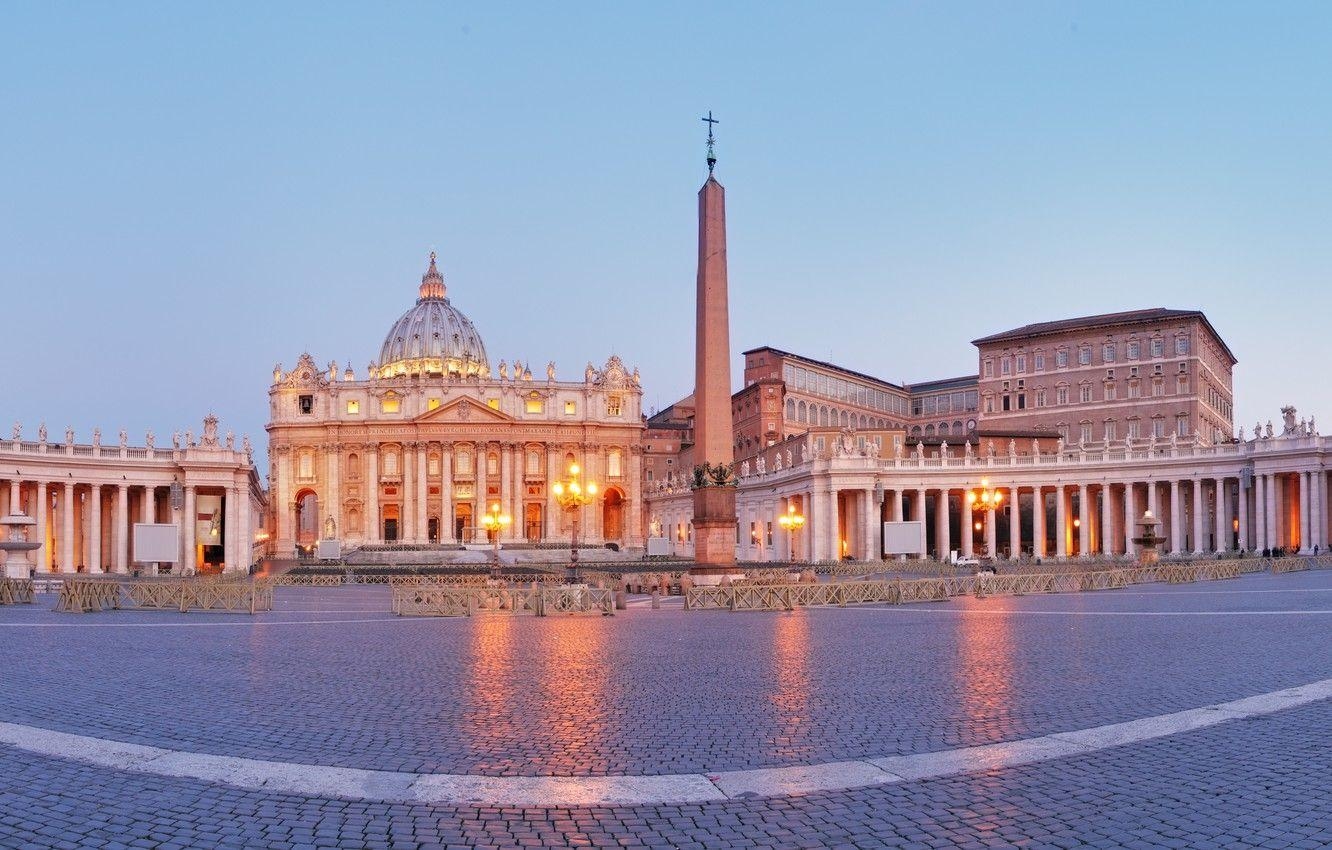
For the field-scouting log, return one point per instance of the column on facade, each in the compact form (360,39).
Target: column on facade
(1199,515)
(122,528)
(149,504)
(1317,511)
(231,550)
(1306,542)
(817,519)
(1176,512)
(506,486)
(1014,523)
(1221,519)
(1106,536)
(1037,522)
(407,498)
(1061,521)
(1270,512)
(871,525)
(991,533)
(483,488)
(942,532)
(188,524)
(1084,522)
(334,507)
(94,560)
(1130,515)
(1259,512)
(554,514)
(445,492)
(42,555)
(637,522)
(967,530)
(374,530)
(422,493)
(1242,512)
(67,527)
(245,525)
(920,515)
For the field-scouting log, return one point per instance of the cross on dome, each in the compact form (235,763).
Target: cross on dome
(432,283)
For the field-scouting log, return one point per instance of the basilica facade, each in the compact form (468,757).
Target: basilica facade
(432,437)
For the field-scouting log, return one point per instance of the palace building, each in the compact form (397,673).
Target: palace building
(432,436)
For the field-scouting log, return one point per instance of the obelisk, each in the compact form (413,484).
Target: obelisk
(714,501)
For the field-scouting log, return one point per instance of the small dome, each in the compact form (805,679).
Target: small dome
(433,338)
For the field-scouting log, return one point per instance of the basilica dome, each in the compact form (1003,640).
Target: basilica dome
(433,338)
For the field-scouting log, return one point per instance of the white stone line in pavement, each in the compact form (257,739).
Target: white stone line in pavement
(237,623)
(989,612)
(562,791)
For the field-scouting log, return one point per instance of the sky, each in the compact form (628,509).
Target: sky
(191,193)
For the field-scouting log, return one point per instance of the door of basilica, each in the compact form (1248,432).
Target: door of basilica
(462,522)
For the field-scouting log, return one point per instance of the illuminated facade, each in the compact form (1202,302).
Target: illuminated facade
(419,449)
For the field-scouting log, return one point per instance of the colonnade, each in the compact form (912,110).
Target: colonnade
(86,526)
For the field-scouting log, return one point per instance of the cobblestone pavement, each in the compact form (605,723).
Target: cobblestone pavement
(640,693)
(330,678)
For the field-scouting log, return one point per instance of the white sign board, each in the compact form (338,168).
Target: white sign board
(156,542)
(903,538)
(328,550)
(658,546)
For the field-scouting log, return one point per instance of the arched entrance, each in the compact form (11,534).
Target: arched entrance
(532,521)
(390,523)
(612,514)
(307,520)
(462,522)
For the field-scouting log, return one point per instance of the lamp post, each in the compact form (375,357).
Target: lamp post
(791,521)
(494,522)
(986,500)
(573,494)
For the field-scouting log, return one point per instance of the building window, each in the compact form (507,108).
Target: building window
(389,404)
(1005,365)
(1022,401)
(1061,359)
(1109,431)
(1040,362)
(1182,385)
(1084,355)
(570,408)
(1134,429)
(1022,362)
(613,404)
(1084,394)
(432,465)
(989,404)
(1084,433)
(1108,352)
(1133,349)
(535,405)
(1158,347)
(1061,395)
(989,368)
(390,463)
(534,463)
(353,406)
(492,464)
(1134,391)
(1181,346)
(1182,425)
(1006,402)
(1040,398)
(1158,387)
(306,468)
(1158,426)
(613,464)
(305,404)
(1110,392)
(463,462)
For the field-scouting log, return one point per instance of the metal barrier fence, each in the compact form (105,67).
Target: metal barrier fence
(16,591)
(441,600)
(182,595)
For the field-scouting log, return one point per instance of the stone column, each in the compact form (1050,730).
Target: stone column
(1270,511)
(637,522)
(1176,510)
(1317,511)
(506,486)
(374,532)
(991,534)
(244,534)
(942,532)
(1306,503)
(1084,522)
(1130,517)
(1107,532)
(1259,509)
(817,518)
(42,556)
(122,528)
(873,527)
(554,514)
(968,529)
(15,497)
(1037,522)
(407,511)
(95,529)
(334,506)
(1242,512)
(67,564)
(1199,510)
(920,514)
(422,493)
(231,531)
(1014,523)
(1221,520)
(1061,522)
(897,506)
(446,492)
(149,504)
(189,522)
(483,493)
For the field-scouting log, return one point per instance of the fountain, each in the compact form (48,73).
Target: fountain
(16,546)
(1147,540)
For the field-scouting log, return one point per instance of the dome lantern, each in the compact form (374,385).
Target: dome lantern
(433,337)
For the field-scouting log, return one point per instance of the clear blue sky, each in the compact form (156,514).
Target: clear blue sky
(191,193)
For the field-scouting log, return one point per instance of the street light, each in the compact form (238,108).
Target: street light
(494,522)
(572,496)
(987,500)
(792,522)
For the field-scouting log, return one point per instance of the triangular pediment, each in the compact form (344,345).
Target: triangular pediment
(464,410)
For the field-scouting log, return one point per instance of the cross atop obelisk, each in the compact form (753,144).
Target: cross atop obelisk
(712,140)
